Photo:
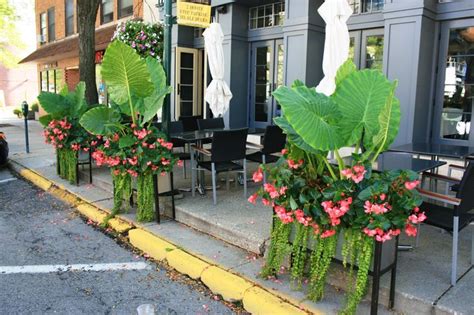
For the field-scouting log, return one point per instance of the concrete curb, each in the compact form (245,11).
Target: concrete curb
(232,287)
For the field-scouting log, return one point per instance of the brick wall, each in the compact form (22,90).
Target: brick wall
(59,5)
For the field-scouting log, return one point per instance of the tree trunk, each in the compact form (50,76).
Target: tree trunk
(86,16)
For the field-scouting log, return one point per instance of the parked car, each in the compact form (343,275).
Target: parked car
(3,149)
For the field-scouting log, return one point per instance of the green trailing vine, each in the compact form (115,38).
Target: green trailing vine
(299,253)
(364,261)
(145,195)
(320,262)
(67,164)
(279,248)
(122,191)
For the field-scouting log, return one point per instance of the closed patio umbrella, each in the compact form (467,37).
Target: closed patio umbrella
(336,46)
(218,94)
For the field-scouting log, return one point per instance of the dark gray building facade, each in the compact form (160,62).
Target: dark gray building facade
(427,45)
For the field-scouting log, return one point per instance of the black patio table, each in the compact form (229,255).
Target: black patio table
(198,136)
(435,150)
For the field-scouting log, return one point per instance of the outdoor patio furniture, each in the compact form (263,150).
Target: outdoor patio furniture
(274,141)
(175,128)
(211,123)
(435,150)
(190,122)
(453,219)
(228,146)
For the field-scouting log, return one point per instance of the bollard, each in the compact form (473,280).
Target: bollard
(24,108)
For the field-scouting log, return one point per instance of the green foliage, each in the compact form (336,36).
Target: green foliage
(10,38)
(18,112)
(101,120)
(312,115)
(34,107)
(320,261)
(122,191)
(67,164)
(145,193)
(279,249)
(299,253)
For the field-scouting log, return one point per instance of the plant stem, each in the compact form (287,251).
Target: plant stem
(328,165)
(340,162)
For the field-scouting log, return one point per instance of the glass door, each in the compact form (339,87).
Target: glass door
(455,93)
(366,48)
(266,75)
(187,83)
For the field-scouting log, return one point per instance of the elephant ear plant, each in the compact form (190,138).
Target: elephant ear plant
(317,202)
(131,147)
(62,128)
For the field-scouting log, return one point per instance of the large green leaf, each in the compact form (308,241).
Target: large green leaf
(292,136)
(79,105)
(345,70)
(100,120)
(54,104)
(389,121)
(313,116)
(125,73)
(361,97)
(45,120)
(153,103)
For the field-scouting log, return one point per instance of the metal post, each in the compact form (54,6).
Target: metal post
(393,277)
(168,25)
(374,305)
(156,193)
(24,106)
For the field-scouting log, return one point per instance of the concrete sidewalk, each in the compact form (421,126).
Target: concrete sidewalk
(423,274)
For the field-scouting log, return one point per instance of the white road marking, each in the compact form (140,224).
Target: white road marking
(8,180)
(75,267)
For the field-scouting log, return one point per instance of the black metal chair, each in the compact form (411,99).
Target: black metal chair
(228,146)
(190,122)
(274,141)
(453,219)
(177,127)
(211,123)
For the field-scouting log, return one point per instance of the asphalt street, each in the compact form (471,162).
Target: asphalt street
(53,262)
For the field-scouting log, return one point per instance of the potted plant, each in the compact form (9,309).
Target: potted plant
(35,109)
(62,128)
(319,203)
(131,147)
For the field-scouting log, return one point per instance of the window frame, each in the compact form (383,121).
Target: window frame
(272,15)
(361,5)
(67,18)
(43,28)
(120,10)
(102,12)
(51,26)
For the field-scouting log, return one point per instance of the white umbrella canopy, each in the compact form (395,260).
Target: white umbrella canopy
(218,94)
(336,46)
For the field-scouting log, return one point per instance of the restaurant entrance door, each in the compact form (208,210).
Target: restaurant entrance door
(266,75)
(455,84)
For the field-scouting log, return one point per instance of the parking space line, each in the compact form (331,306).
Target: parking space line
(8,180)
(75,267)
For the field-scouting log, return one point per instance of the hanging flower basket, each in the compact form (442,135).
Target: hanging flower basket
(339,209)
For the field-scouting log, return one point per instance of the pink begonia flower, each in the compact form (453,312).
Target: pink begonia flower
(93,143)
(412,185)
(265,202)
(85,149)
(283,190)
(107,143)
(356,174)
(328,233)
(382,197)
(144,144)
(416,219)
(75,147)
(163,174)
(316,229)
(284,151)
(376,208)
(165,161)
(140,134)
(133,161)
(116,137)
(152,146)
(294,165)
(180,163)
(410,230)
(116,172)
(257,175)
(253,199)
(132,173)
(148,163)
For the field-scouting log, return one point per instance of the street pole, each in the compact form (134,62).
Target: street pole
(168,19)
(24,107)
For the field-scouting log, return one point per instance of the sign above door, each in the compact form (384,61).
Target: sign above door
(194,13)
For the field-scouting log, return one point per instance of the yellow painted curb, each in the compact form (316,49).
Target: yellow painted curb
(92,212)
(64,195)
(258,301)
(185,263)
(150,244)
(119,225)
(36,179)
(222,282)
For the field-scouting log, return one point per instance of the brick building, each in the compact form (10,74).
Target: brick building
(57,53)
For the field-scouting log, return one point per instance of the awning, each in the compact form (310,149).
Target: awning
(69,46)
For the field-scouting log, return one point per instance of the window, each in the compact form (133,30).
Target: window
(125,8)
(50,80)
(366,48)
(366,6)
(69,17)
(107,11)
(51,25)
(43,28)
(268,15)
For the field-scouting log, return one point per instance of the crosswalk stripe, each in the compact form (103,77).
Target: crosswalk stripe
(74,267)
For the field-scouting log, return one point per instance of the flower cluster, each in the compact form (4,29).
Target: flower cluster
(137,151)
(145,38)
(67,134)
(378,204)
